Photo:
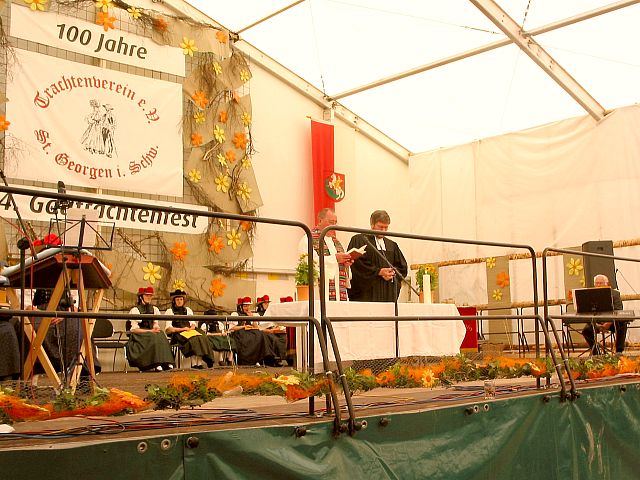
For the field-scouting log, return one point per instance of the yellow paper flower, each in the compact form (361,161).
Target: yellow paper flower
(196,139)
(246,163)
(244,191)
(233,238)
(575,266)
(179,250)
(582,281)
(246,118)
(503,279)
(218,133)
(497,295)
(199,117)
(230,155)
(221,36)
(245,75)
(36,4)
(151,272)
(216,244)
(105,20)
(217,287)
(222,183)
(240,140)
(188,46)
(179,284)
(195,176)
(4,124)
(223,116)
(222,160)
(134,12)
(200,99)
(286,380)
(103,5)
(491,262)
(428,378)
(217,68)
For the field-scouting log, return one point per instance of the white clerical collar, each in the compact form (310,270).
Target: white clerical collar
(380,243)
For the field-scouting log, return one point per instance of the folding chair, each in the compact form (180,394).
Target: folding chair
(104,336)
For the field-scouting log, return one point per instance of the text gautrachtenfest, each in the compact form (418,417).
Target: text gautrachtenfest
(44,209)
(93,127)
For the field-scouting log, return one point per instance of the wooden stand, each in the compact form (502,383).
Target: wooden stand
(75,271)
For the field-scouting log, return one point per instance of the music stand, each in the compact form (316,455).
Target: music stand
(70,264)
(82,229)
(593,300)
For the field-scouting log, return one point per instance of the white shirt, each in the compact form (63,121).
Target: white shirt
(136,324)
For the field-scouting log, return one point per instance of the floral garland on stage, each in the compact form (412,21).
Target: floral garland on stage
(193,389)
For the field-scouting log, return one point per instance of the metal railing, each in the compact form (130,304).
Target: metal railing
(573,394)
(73,197)
(326,321)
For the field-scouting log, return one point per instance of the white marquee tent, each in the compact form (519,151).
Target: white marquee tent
(431,74)
(538,95)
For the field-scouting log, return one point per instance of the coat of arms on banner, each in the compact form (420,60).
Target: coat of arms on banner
(334,186)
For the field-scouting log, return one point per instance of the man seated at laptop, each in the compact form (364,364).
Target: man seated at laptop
(619,328)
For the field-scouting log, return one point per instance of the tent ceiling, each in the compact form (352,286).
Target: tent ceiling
(351,50)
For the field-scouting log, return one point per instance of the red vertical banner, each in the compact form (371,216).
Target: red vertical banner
(322,160)
(470,342)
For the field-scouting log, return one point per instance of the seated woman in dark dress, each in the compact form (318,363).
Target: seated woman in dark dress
(148,347)
(255,346)
(221,342)
(63,339)
(191,340)
(9,348)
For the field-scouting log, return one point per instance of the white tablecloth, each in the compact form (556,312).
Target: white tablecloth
(376,339)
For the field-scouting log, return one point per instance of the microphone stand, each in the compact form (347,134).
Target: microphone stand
(390,265)
(23,244)
(395,300)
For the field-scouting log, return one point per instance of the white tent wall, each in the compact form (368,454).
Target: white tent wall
(281,133)
(557,185)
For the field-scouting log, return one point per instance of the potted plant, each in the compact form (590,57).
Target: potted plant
(302,276)
(432,271)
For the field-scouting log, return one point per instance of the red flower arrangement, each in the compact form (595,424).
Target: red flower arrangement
(51,240)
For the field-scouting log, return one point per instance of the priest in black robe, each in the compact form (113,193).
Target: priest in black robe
(373,279)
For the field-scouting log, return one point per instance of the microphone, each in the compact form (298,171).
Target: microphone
(62,204)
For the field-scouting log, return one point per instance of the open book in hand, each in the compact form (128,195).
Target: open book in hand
(356,253)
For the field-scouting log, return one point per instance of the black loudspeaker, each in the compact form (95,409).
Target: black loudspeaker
(596,265)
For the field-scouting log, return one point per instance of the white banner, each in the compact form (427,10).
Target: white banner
(80,36)
(44,209)
(92,127)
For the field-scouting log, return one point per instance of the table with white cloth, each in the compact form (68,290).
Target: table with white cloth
(367,340)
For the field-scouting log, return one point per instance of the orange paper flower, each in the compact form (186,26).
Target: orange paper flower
(230,155)
(196,139)
(223,116)
(240,140)
(200,99)
(105,20)
(4,124)
(503,279)
(179,250)
(160,24)
(217,287)
(216,244)
(246,225)
(222,36)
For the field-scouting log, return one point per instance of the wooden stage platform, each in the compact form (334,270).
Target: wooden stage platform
(441,433)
